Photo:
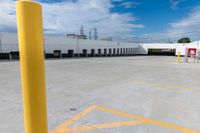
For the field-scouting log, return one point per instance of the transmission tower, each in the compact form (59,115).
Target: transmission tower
(90,35)
(95,34)
(82,31)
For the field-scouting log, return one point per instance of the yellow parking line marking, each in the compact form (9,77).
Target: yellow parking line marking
(103,126)
(180,87)
(169,86)
(163,124)
(72,120)
(136,120)
(118,113)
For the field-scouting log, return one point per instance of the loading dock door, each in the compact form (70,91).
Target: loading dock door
(84,53)
(92,52)
(110,52)
(105,52)
(169,52)
(99,52)
(71,53)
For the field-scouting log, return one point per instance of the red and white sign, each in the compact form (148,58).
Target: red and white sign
(192,52)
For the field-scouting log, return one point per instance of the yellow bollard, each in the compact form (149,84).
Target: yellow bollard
(179,58)
(30,36)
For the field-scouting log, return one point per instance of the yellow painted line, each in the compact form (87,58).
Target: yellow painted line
(180,87)
(163,124)
(69,122)
(103,126)
(64,128)
(170,86)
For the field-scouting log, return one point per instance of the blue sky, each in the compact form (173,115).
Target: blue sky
(157,14)
(128,20)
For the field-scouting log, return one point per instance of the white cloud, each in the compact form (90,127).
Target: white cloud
(68,17)
(7,15)
(129,4)
(189,26)
(118,0)
(175,3)
(125,3)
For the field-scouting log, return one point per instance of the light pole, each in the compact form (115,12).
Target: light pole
(77,46)
(1,35)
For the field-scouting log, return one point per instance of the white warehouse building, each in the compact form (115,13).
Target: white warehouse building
(147,48)
(57,46)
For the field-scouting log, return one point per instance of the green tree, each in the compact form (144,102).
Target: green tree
(184,40)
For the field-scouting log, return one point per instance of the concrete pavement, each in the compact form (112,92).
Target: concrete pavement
(156,88)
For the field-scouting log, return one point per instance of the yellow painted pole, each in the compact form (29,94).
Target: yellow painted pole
(178,58)
(30,37)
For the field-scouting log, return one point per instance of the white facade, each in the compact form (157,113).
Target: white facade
(179,47)
(9,43)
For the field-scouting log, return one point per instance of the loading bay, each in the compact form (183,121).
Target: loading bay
(140,94)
